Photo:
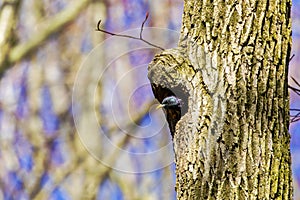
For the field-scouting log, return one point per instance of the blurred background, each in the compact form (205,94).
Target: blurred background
(77,115)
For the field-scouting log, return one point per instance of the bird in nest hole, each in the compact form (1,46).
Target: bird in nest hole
(172,108)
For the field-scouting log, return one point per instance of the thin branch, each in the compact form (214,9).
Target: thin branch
(296,117)
(142,27)
(295,82)
(130,36)
(114,34)
(291,58)
(294,109)
(297,91)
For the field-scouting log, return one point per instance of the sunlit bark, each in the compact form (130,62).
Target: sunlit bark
(231,65)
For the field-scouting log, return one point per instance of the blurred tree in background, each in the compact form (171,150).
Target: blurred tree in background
(48,147)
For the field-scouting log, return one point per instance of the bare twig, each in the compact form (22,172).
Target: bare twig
(296,82)
(291,58)
(142,27)
(294,89)
(130,36)
(297,91)
(296,117)
(294,109)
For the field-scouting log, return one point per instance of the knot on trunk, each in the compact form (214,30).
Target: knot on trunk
(171,74)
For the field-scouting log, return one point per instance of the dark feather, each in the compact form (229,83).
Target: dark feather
(173,114)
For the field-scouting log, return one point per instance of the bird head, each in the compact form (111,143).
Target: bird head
(170,102)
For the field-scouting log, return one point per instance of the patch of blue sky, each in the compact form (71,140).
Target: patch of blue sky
(26,162)
(109,190)
(134,12)
(24,152)
(295,139)
(59,194)
(50,119)
(145,121)
(14,187)
(86,44)
(58,153)
(22,106)
(45,179)
(141,57)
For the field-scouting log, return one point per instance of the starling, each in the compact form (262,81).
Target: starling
(171,102)
(172,107)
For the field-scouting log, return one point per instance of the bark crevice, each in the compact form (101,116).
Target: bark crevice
(231,63)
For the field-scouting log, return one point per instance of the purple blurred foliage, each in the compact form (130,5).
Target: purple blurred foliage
(133,15)
(134,12)
(295,140)
(45,179)
(58,153)
(109,22)
(172,26)
(294,100)
(158,188)
(59,194)
(26,162)
(138,166)
(50,120)
(24,152)
(140,57)
(58,5)
(86,44)
(109,190)
(145,121)
(140,96)
(14,187)
(158,174)
(22,106)
(295,150)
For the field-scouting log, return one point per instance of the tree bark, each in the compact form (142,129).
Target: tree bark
(230,68)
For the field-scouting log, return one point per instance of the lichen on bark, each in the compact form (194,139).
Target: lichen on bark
(231,63)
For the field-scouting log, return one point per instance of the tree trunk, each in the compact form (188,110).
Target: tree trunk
(230,68)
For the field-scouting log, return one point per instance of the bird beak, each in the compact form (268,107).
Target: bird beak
(160,106)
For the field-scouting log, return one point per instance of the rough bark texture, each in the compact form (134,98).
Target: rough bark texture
(231,63)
